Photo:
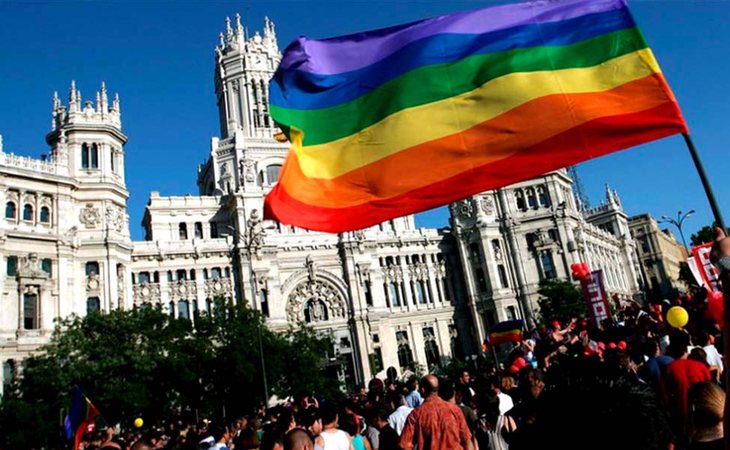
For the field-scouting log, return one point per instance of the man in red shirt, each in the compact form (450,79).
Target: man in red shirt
(436,424)
(679,375)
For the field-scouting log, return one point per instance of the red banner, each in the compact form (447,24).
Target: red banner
(707,270)
(595,297)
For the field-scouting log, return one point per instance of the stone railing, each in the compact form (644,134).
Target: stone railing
(28,163)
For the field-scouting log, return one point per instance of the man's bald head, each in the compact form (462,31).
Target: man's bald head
(298,439)
(429,385)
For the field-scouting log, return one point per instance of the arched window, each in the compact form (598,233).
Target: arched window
(183,310)
(198,230)
(171,308)
(531,199)
(28,212)
(433,356)
(183,231)
(84,156)
(405,356)
(45,214)
(92,268)
(215,273)
(94,156)
(10,210)
(93,305)
(272,173)
(520,200)
(543,197)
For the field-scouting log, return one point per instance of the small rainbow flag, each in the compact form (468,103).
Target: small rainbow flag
(81,414)
(399,120)
(503,332)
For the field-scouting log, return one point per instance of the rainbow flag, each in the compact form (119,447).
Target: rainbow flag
(81,414)
(399,120)
(508,331)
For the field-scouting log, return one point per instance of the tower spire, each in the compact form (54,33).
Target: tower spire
(229,30)
(104,98)
(239,27)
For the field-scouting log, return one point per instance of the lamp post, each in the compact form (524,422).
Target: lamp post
(252,239)
(678,222)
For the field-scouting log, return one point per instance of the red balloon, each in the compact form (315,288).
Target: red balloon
(715,307)
(622,345)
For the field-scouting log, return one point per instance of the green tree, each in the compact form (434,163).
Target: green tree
(144,363)
(705,234)
(560,300)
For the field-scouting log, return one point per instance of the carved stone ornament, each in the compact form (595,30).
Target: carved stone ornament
(146,293)
(29,267)
(247,170)
(323,299)
(465,209)
(90,216)
(487,205)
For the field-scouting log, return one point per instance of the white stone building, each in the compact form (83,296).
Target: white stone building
(389,295)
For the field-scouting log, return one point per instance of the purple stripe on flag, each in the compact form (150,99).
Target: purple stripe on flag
(354,51)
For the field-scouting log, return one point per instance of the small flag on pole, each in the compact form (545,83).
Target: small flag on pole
(503,332)
(81,414)
(395,121)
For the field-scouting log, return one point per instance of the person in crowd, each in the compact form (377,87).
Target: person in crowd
(349,424)
(387,436)
(464,386)
(298,439)
(706,405)
(494,425)
(372,432)
(310,420)
(221,436)
(679,376)
(653,368)
(714,358)
(436,424)
(413,398)
(494,388)
(449,393)
(141,444)
(401,410)
(333,437)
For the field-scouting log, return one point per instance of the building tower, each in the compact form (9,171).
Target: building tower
(87,144)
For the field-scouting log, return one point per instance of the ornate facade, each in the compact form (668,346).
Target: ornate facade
(390,295)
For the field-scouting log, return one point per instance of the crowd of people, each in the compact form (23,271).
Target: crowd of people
(631,382)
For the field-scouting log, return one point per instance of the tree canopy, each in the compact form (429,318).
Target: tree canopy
(145,363)
(560,300)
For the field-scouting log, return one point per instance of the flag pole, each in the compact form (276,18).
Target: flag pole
(705,182)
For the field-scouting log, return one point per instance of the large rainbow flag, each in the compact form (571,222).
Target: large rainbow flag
(395,121)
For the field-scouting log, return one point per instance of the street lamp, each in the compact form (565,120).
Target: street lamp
(252,239)
(678,222)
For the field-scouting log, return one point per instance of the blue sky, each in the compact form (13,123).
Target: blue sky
(159,57)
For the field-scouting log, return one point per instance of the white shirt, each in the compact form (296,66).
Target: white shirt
(714,358)
(397,420)
(505,403)
(339,440)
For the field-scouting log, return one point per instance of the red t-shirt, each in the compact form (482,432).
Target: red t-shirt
(678,377)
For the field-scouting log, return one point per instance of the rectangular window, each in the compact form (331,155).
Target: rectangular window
(264,301)
(181,275)
(368,294)
(198,230)
(30,311)
(143,277)
(213,230)
(481,279)
(548,268)
(511,312)
(421,292)
(94,156)
(393,294)
(92,268)
(47,266)
(215,273)
(503,280)
(12,268)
